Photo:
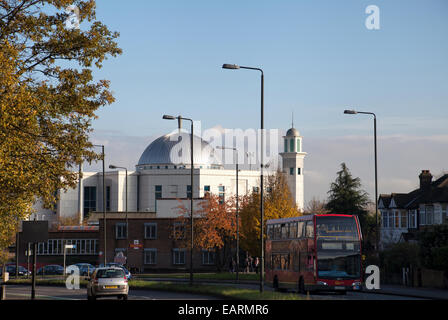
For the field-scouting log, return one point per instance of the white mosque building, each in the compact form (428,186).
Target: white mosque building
(162,178)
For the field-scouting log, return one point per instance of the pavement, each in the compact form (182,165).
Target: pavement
(426,293)
(394,290)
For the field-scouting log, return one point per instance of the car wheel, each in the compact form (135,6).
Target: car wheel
(123,297)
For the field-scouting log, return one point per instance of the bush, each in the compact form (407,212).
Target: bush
(440,258)
(400,255)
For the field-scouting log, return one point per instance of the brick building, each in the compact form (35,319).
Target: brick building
(151,245)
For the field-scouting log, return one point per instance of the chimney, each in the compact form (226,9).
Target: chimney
(425,179)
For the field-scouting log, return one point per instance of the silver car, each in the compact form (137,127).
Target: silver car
(109,281)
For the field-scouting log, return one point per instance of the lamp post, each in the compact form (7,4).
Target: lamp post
(236,67)
(179,119)
(237,216)
(376,171)
(104,201)
(126,206)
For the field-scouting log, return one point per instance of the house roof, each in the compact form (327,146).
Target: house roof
(437,192)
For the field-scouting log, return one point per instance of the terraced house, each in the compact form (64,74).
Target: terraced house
(402,214)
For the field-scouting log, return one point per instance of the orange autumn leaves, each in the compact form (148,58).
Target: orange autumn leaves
(215,221)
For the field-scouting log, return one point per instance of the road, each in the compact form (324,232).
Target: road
(21,292)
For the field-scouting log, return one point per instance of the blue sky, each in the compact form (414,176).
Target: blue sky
(318,58)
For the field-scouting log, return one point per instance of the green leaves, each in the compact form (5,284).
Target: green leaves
(47,101)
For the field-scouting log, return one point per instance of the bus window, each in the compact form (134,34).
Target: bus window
(293,230)
(309,229)
(285,231)
(300,229)
(269,231)
(276,231)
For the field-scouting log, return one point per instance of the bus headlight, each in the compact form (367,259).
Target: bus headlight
(356,285)
(321,283)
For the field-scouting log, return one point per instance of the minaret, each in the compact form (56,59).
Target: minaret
(292,161)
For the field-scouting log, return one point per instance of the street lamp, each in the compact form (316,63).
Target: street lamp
(126,198)
(104,200)
(179,119)
(376,170)
(237,215)
(236,67)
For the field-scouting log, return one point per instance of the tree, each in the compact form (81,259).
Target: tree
(278,203)
(48,98)
(347,197)
(316,206)
(214,226)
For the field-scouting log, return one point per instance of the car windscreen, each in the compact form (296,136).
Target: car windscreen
(110,273)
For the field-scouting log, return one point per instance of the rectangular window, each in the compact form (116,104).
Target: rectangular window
(208,257)
(222,194)
(385,219)
(151,230)
(189,195)
(391,220)
(150,256)
(298,145)
(89,200)
(309,229)
(404,219)
(178,230)
(293,230)
(291,171)
(291,145)
(277,231)
(206,190)
(285,231)
(255,189)
(178,256)
(299,171)
(270,231)
(107,198)
(396,219)
(158,193)
(429,214)
(120,231)
(300,229)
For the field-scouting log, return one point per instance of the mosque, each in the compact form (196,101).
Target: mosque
(162,178)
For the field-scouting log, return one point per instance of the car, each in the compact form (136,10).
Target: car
(51,269)
(85,269)
(11,269)
(117,265)
(108,281)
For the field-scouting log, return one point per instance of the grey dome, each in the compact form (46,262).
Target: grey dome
(293,132)
(174,148)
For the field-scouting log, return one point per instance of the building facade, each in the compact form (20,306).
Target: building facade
(404,213)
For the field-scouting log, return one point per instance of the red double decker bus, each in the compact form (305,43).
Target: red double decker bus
(314,252)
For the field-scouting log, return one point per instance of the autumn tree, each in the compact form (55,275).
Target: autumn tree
(214,226)
(316,206)
(278,203)
(48,98)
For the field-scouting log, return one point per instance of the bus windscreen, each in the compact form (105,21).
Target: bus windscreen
(338,248)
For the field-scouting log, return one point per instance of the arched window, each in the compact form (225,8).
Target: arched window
(298,145)
(291,145)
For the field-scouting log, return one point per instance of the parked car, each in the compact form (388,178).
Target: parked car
(108,281)
(117,265)
(85,269)
(11,269)
(51,269)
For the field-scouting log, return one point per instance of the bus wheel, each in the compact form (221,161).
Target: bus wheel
(275,283)
(301,286)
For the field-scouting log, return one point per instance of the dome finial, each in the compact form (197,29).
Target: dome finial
(292,119)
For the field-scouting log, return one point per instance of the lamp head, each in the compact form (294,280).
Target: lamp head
(167,117)
(112,166)
(350,112)
(230,66)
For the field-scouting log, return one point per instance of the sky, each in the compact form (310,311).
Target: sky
(318,58)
